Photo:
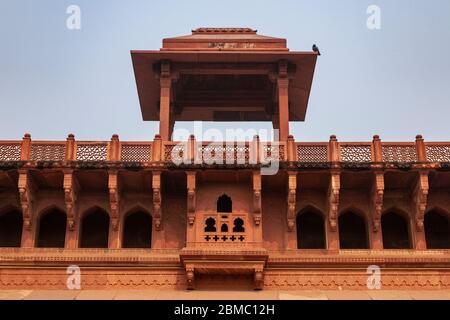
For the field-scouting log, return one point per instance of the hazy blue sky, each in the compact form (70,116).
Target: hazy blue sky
(394,82)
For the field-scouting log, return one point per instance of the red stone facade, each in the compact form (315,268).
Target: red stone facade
(164,214)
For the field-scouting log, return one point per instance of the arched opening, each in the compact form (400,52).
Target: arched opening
(238,225)
(11,228)
(395,231)
(52,229)
(95,229)
(437,230)
(352,231)
(210,225)
(224,227)
(310,230)
(137,232)
(224,204)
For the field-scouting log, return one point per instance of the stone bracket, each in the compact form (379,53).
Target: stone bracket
(333,199)
(377,198)
(26,197)
(156,186)
(291,200)
(257,211)
(420,199)
(114,198)
(71,188)
(191,196)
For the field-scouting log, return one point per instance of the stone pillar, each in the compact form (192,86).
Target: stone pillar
(257,208)
(114,148)
(283,100)
(164,107)
(291,149)
(157,149)
(158,238)
(191,207)
(26,147)
(292,210)
(377,154)
(420,148)
(114,201)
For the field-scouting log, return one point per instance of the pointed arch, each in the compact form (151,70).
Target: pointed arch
(51,231)
(94,228)
(310,229)
(352,225)
(137,229)
(224,204)
(11,223)
(395,229)
(437,229)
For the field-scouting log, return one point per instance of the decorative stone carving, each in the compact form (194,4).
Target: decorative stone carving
(156,185)
(259,278)
(333,199)
(377,198)
(190,277)
(114,198)
(191,196)
(420,199)
(291,199)
(71,188)
(257,212)
(26,188)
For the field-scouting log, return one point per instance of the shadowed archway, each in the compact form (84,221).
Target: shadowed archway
(437,230)
(95,229)
(395,231)
(310,230)
(224,204)
(52,229)
(11,222)
(352,231)
(137,230)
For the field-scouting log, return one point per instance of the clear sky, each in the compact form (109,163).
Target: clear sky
(394,81)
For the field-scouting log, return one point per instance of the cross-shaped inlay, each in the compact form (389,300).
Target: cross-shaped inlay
(207,238)
(232,238)
(216,238)
(224,238)
(241,238)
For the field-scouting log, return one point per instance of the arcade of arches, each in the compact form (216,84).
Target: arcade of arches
(310,228)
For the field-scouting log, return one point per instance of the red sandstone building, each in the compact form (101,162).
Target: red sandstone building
(132,216)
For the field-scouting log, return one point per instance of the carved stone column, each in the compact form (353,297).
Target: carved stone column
(114,201)
(333,209)
(257,210)
(164,106)
(158,234)
(191,207)
(71,187)
(291,210)
(420,200)
(377,198)
(26,197)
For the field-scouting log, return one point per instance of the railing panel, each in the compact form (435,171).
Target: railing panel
(10,150)
(438,152)
(136,152)
(92,151)
(222,152)
(273,151)
(312,152)
(174,151)
(399,152)
(356,152)
(47,151)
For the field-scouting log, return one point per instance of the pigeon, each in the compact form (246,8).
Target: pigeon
(316,49)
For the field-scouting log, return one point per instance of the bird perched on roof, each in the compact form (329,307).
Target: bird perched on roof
(316,49)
